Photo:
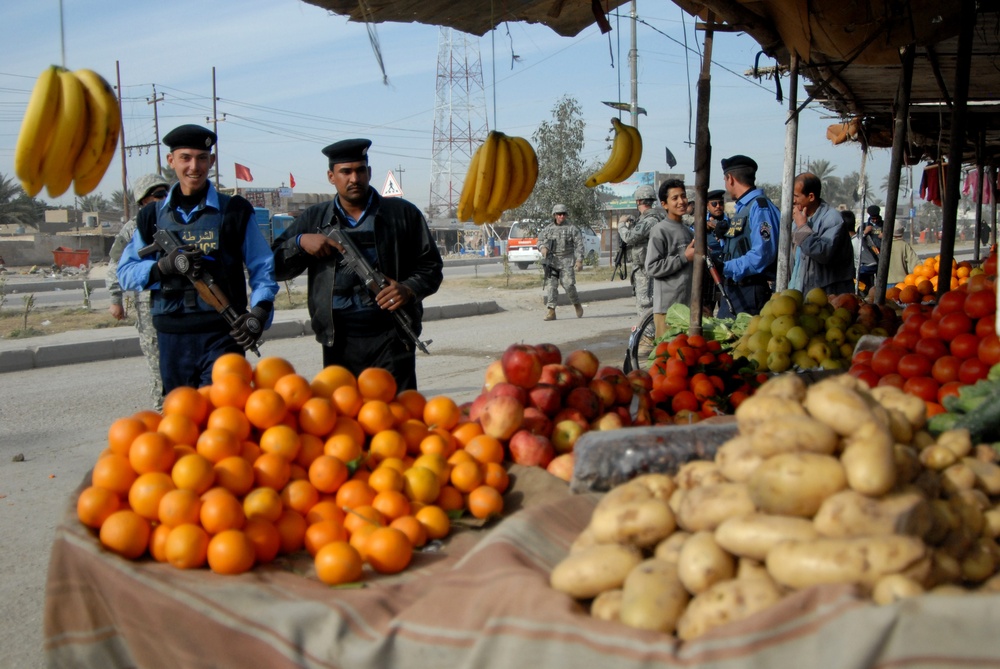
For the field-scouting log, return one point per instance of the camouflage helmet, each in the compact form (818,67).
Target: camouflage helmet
(146,184)
(559,209)
(645,192)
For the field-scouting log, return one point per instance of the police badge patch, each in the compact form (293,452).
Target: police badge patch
(765,231)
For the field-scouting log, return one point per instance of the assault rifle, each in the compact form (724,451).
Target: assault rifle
(374,280)
(717,279)
(621,263)
(166,241)
(550,268)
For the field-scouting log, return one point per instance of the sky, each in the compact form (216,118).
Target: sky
(291,78)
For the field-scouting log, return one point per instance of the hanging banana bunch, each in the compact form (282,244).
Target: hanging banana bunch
(501,176)
(69,132)
(626,152)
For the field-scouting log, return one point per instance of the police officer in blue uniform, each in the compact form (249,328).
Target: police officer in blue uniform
(716,220)
(220,238)
(750,244)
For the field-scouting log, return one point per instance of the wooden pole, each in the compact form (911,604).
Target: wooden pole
(121,144)
(981,186)
(702,170)
(785,260)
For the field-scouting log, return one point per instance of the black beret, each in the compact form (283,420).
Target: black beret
(873,210)
(738,161)
(190,136)
(716,195)
(348,151)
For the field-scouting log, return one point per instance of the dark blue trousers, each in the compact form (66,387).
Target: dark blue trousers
(386,350)
(749,299)
(186,359)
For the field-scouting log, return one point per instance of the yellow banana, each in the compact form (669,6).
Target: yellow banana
(71,125)
(500,190)
(621,150)
(530,171)
(518,173)
(102,138)
(465,199)
(634,156)
(484,179)
(36,130)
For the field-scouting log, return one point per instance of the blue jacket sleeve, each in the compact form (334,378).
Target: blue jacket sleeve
(763,246)
(260,266)
(133,271)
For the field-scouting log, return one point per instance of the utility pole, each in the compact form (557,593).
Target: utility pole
(633,57)
(156,129)
(118,76)
(215,127)
(399,173)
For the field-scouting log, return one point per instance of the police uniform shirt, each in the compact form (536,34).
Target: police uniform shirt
(763,223)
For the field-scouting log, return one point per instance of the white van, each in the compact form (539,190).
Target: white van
(522,243)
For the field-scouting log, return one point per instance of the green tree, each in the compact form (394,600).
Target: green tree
(94,202)
(17,207)
(561,169)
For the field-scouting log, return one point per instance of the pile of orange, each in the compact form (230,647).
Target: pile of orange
(264,462)
(921,284)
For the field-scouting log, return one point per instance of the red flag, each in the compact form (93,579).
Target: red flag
(291,180)
(243,173)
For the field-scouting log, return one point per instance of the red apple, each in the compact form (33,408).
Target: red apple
(604,391)
(546,398)
(609,370)
(846,301)
(564,435)
(536,421)
(585,401)
(534,450)
(607,421)
(585,361)
(549,354)
(623,389)
(640,378)
(574,415)
(494,375)
(510,390)
(521,365)
(501,417)
(476,408)
(625,415)
(558,375)
(578,378)
(465,408)
(562,466)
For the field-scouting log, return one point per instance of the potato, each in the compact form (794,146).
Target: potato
(703,563)
(705,508)
(956,478)
(908,465)
(640,522)
(857,560)
(724,603)
(957,441)
(795,484)
(583,540)
(869,459)
(945,568)
(910,406)
(895,587)
(899,427)
(922,439)
(987,474)
(590,572)
(991,523)
(675,501)
(789,386)
(979,563)
(607,605)
(753,535)
(698,473)
(660,486)
(985,453)
(758,408)
(843,409)
(791,434)
(736,459)
(938,457)
(653,597)
(748,569)
(848,513)
(669,550)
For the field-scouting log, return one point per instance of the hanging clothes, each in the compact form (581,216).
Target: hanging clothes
(932,183)
(972,187)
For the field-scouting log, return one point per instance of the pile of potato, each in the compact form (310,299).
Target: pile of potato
(827,484)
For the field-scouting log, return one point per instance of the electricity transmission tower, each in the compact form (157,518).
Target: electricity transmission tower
(460,123)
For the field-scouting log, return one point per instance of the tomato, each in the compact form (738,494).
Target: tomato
(663,348)
(913,323)
(658,395)
(989,349)
(911,310)
(965,345)
(923,387)
(696,341)
(950,388)
(717,381)
(859,368)
(953,324)
(945,369)
(986,326)
(870,378)
(932,347)
(914,365)
(929,328)
(906,339)
(710,408)
(706,359)
(951,302)
(736,398)
(972,370)
(673,384)
(863,357)
(713,345)
(684,400)
(725,359)
(886,359)
(892,380)
(676,343)
(933,409)
(675,367)
(980,304)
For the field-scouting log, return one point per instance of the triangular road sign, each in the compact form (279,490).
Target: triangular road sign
(391,187)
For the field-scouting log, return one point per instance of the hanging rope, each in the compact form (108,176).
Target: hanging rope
(687,72)
(373,39)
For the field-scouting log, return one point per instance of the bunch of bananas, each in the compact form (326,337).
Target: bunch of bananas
(626,152)
(501,176)
(69,132)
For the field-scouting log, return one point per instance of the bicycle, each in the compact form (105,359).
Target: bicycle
(641,343)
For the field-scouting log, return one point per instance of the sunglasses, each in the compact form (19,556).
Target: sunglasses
(158,195)
(715,203)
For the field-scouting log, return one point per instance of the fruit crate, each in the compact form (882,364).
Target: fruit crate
(65,257)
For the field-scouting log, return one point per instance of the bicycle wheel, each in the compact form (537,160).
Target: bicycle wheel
(641,342)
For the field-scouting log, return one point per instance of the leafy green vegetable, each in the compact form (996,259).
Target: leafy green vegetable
(723,330)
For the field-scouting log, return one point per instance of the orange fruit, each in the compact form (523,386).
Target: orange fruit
(363,515)
(399,413)
(178,507)
(925,287)
(188,402)
(386,478)
(413,400)
(232,363)
(230,552)
(376,383)
(450,499)
(234,474)
(265,538)
(232,419)
(435,520)
(122,432)
(282,440)
(300,495)
(270,370)
(311,447)
(322,533)
(421,484)
(361,474)
(909,295)
(330,378)
(442,412)
(271,470)
(400,465)
(145,494)
(436,444)
(297,472)
(317,416)
(436,464)
(158,542)
(250,451)
(386,444)
(179,429)
(328,473)
(350,427)
(113,472)
(187,546)
(343,447)
(459,456)
(359,538)
(485,502)
(230,390)
(126,533)
(338,563)
(392,504)
(325,510)
(388,550)
(221,511)
(347,400)
(375,416)
(94,505)
(411,527)
(464,432)
(216,444)
(193,472)
(485,449)
(265,408)
(413,432)
(263,504)
(151,452)
(151,419)
(292,530)
(355,493)
(496,477)
(294,389)
(467,476)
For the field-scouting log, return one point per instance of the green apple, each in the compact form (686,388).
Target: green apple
(817,296)
(758,341)
(752,325)
(798,337)
(794,294)
(879,332)
(810,308)
(783,305)
(810,323)
(803,360)
(855,332)
(844,315)
(819,351)
(765,323)
(778,361)
(760,357)
(847,351)
(835,336)
(778,344)
(830,363)
(834,323)
(782,324)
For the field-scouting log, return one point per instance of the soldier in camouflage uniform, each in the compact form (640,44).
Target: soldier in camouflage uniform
(147,189)
(635,233)
(565,242)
